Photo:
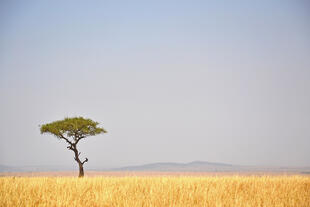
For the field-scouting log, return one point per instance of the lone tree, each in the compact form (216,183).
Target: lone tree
(73,130)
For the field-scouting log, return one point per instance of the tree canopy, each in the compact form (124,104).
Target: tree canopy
(72,129)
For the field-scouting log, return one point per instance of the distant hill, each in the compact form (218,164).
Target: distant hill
(201,166)
(196,166)
(6,168)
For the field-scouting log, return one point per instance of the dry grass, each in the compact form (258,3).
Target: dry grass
(225,191)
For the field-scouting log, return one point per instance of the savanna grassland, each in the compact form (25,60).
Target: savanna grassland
(213,191)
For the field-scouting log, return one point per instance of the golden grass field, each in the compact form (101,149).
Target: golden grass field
(213,191)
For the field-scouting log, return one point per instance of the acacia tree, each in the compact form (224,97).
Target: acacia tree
(73,130)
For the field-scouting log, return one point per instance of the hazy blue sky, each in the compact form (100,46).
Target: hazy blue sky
(219,81)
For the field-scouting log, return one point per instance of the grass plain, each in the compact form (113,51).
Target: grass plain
(161,191)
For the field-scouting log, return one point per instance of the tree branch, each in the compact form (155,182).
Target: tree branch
(84,161)
(79,138)
(67,140)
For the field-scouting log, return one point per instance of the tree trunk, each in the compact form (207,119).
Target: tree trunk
(77,159)
(81,172)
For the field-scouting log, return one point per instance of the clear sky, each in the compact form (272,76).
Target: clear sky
(171,81)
